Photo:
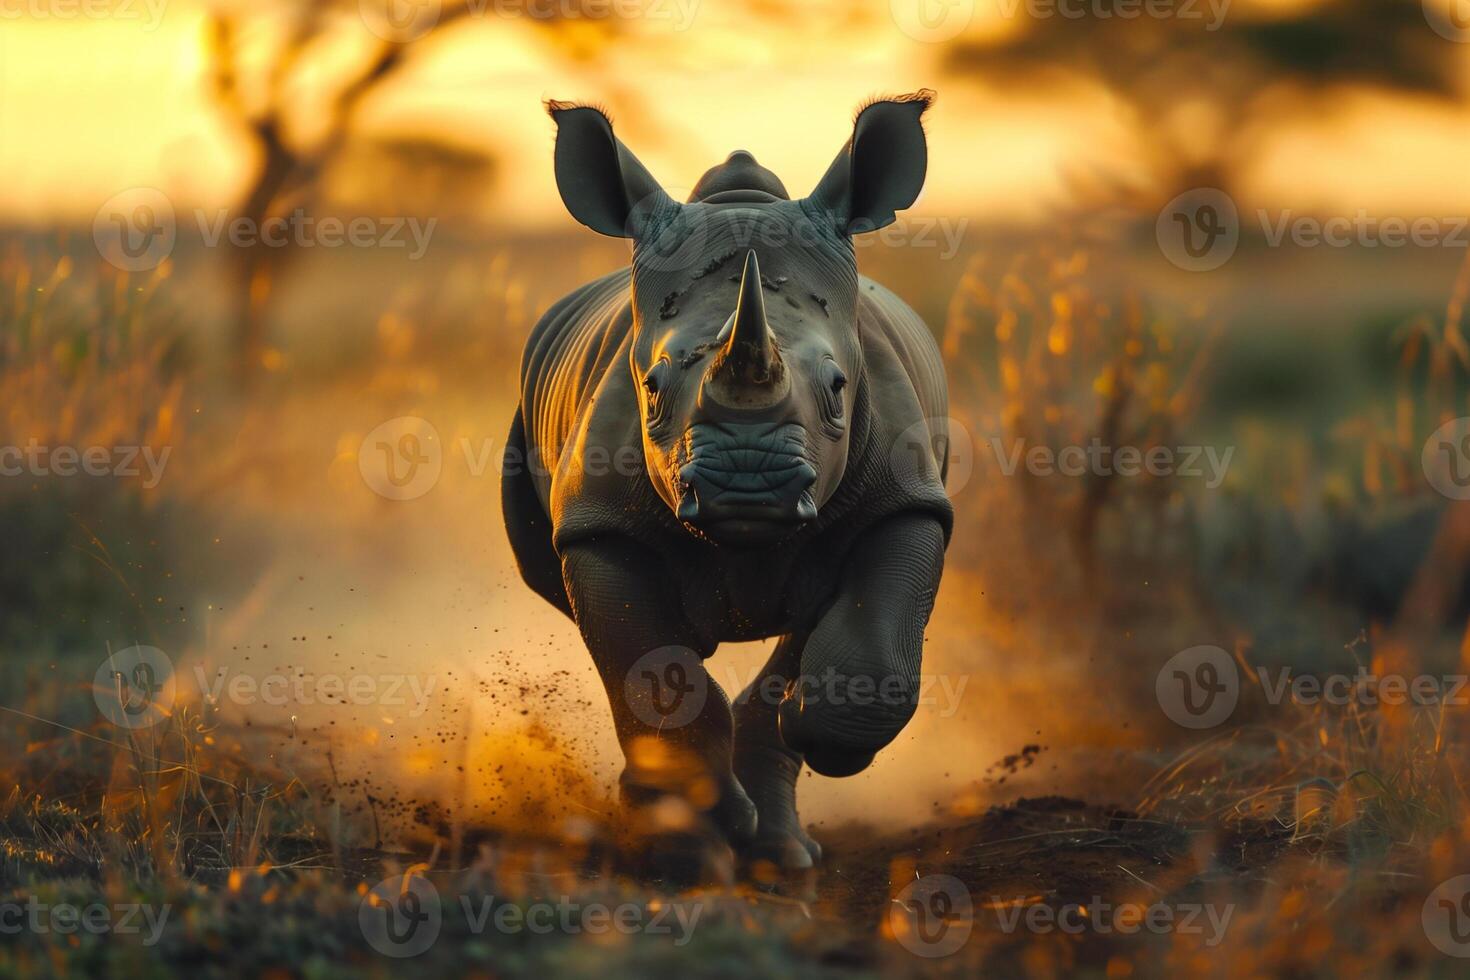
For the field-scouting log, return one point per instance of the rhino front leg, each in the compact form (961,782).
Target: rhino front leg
(859,683)
(673,721)
(767,768)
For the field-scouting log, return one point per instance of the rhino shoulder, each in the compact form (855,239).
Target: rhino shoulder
(581,417)
(599,483)
(570,350)
(898,340)
(588,316)
(902,459)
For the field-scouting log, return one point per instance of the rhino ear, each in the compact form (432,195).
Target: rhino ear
(881,169)
(601,182)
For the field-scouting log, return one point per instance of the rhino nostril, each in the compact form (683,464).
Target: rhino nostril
(688,503)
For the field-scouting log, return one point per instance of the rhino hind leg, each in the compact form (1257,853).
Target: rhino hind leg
(527,525)
(768,770)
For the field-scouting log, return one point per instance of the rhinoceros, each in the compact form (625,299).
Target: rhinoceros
(737,438)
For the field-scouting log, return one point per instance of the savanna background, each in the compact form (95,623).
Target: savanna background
(1046,771)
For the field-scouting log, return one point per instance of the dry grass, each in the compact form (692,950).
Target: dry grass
(1335,818)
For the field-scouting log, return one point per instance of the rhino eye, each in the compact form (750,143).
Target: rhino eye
(653,381)
(833,381)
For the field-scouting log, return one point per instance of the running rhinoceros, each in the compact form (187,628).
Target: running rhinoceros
(736,438)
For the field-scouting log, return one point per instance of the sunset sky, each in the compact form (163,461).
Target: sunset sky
(92,106)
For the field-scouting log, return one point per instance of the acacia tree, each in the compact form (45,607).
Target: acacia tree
(295,145)
(1200,89)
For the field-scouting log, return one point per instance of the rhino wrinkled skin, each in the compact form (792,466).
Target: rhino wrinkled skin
(718,444)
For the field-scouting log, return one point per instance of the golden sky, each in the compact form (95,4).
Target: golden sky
(91,106)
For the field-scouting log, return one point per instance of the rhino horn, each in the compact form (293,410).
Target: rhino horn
(749,356)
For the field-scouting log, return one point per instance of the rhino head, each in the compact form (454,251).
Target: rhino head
(745,352)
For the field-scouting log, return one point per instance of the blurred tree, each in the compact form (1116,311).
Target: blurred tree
(267,56)
(414,175)
(1198,86)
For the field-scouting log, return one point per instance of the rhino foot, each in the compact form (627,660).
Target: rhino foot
(784,863)
(735,815)
(785,850)
(672,841)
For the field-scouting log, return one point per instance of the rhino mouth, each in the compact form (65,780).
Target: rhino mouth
(746,482)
